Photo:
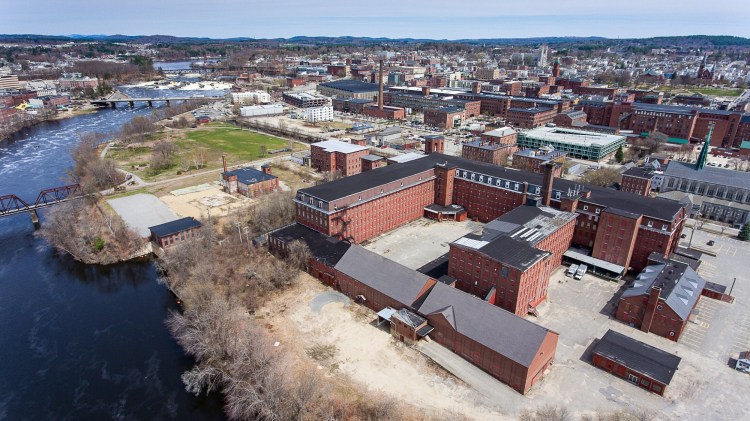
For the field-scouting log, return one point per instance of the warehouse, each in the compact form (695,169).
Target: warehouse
(641,364)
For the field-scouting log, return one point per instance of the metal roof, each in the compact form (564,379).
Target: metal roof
(351,85)
(593,261)
(499,330)
(339,146)
(249,175)
(638,356)
(680,286)
(708,174)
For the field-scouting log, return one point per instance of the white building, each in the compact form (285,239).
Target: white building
(262,110)
(249,98)
(41,87)
(317,114)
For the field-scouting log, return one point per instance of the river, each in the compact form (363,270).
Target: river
(81,342)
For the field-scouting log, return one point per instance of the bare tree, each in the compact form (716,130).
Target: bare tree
(603,177)
(163,153)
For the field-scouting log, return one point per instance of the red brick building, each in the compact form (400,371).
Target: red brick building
(363,206)
(390,113)
(334,155)
(661,299)
(370,162)
(417,305)
(249,181)
(510,262)
(483,151)
(444,117)
(502,136)
(637,180)
(532,160)
(528,118)
(571,118)
(172,233)
(639,363)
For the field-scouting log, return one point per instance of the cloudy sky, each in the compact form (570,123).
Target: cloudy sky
(438,19)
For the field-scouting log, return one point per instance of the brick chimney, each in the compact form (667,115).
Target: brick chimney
(476,88)
(266,168)
(549,178)
(425,90)
(648,316)
(380,87)
(224,162)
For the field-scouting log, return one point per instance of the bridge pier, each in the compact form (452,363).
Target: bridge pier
(150,103)
(131,103)
(113,104)
(35,219)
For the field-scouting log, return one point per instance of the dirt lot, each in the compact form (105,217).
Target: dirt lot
(197,204)
(315,322)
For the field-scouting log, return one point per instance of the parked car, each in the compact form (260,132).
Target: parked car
(711,243)
(571,270)
(683,235)
(580,272)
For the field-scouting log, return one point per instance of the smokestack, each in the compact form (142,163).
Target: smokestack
(549,178)
(380,87)
(224,162)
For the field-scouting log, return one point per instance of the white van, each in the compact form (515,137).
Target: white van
(581,271)
(571,270)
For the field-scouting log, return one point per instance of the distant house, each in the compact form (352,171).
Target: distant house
(637,362)
(168,234)
(249,181)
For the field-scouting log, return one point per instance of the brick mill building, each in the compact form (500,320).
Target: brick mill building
(613,226)
(641,364)
(513,350)
(172,233)
(637,180)
(510,262)
(334,155)
(661,299)
(533,160)
(249,181)
(483,151)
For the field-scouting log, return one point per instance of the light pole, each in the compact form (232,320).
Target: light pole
(692,231)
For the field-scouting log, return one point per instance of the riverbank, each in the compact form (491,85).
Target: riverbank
(32,121)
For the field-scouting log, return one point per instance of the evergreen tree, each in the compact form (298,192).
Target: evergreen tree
(745,232)
(619,155)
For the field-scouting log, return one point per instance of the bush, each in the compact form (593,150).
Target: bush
(98,244)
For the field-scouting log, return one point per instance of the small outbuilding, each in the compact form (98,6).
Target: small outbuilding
(249,181)
(641,364)
(174,232)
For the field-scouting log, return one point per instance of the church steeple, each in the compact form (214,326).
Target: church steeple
(703,157)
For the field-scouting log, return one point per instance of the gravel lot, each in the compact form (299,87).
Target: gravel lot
(141,211)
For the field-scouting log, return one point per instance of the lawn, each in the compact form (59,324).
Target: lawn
(211,141)
(240,145)
(717,91)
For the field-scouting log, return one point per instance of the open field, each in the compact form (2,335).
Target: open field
(240,145)
(203,145)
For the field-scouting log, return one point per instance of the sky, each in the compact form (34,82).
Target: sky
(435,19)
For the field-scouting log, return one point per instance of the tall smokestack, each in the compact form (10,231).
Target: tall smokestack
(380,87)
(224,162)
(549,178)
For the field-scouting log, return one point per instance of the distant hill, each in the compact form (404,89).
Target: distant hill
(698,41)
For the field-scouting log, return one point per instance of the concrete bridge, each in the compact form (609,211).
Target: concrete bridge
(112,102)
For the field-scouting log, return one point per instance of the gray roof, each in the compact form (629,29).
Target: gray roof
(531,224)
(709,174)
(692,199)
(383,275)
(509,335)
(350,85)
(249,175)
(680,286)
(504,249)
(638,356)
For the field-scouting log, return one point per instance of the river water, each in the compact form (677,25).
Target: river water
(81,342)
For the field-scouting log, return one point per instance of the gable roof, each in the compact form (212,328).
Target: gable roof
(680,285)
(249,175)
(643,358)
(509,335)
(175,227)
(383,275)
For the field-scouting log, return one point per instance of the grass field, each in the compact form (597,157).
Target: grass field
(211,141)
(241,145)
(717,91)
